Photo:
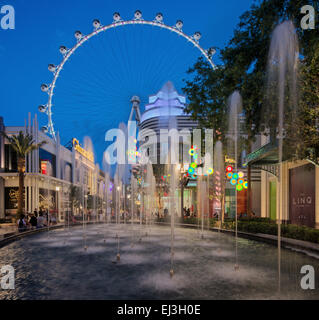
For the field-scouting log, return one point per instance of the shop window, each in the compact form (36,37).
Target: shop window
(11,159)
(67,174)
(47,162)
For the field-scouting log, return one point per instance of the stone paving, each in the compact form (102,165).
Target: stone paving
(7,228)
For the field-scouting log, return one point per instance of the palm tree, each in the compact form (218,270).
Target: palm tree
(22,144)
(74,197)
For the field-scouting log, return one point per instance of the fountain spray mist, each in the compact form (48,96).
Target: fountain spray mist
(133,192)
(219,184)
(106,168)
(281,100)
(172,159)
(235,110)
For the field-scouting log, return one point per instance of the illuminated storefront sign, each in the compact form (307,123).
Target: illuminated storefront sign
(87,154)
(302,187)
(191,184)
(44,165)
(47,199)
(229,160)
(11,199)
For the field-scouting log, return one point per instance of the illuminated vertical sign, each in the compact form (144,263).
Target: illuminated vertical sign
(44,167)
(302,187)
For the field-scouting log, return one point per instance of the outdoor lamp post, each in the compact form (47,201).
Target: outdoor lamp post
(183,182)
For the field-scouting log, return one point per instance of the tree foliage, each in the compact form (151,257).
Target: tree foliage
(22,143)
(308,121)
(74,197)
(244,63)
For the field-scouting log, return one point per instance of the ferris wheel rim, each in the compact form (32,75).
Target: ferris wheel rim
(81,39)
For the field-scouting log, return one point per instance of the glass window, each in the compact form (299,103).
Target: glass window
(11,161)
(47,162)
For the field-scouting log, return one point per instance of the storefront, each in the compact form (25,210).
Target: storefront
(294,196)
(49,174)
(302,197)
(11,200)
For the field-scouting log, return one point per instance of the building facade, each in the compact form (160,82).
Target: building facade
(293,196)
(165,111)
(51,172)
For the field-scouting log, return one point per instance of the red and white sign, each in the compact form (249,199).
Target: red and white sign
(44,164)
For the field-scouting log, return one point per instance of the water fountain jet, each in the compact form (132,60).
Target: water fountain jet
(235,111)
(280,106)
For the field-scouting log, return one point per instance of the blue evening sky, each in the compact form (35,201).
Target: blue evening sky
(94,89)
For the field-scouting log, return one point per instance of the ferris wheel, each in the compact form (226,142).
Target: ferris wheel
(99,28)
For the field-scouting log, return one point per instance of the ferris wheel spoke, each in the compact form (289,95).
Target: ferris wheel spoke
(126,63)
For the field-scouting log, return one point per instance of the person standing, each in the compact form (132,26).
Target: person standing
(33,222)
(22,225)
(35,212)
(40,221)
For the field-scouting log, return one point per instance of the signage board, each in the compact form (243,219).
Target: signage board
(302,185)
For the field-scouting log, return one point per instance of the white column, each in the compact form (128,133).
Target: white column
(58,160)
(58,200)
(37,140)
(278,200)
(285,191)
(73,166)
(25,194)
(2,149)
(33,155)
(29,130)
(34,204)
(264,195)
(29,195)
(37,193)
(2,209)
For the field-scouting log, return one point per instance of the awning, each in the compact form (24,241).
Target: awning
(266,155)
